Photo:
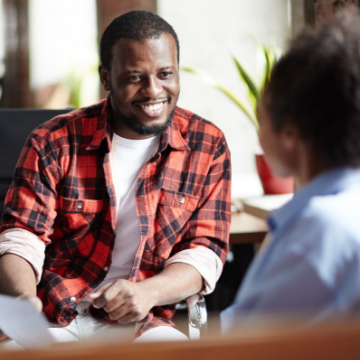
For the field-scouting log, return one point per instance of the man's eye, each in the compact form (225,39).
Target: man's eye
(134,77)
(165,74)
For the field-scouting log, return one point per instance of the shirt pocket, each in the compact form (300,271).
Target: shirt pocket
(78,222)
(77,213)
(173,212)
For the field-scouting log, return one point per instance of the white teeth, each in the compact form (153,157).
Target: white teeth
(152,107)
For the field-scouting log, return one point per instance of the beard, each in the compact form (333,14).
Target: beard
(133,124)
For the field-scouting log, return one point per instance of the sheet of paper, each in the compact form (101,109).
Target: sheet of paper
(21,322)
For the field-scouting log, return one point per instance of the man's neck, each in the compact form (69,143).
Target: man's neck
(123,131)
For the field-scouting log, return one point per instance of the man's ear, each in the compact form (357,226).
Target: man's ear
(104,78)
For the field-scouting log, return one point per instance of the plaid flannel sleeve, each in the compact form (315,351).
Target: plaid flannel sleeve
(209,226)
(31,200)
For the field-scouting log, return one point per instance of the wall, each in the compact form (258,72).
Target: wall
(209,31)
(2,43)
(63,45)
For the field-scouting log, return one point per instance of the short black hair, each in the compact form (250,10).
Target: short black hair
(316,87)
(135,25)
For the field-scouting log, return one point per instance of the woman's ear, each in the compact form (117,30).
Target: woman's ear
(290,136)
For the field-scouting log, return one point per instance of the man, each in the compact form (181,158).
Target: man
(121,208)
(310,128)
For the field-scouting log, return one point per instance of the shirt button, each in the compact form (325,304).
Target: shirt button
(73,299)
(79,206)
(182,200)
(106,268)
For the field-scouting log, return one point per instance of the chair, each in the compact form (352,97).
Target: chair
(197,316)
(15,126)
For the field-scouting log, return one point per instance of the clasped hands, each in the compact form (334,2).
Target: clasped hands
(124,301)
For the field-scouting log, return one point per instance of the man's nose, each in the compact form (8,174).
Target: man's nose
(152,88)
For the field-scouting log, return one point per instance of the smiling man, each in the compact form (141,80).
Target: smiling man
(120,209)
(143,80)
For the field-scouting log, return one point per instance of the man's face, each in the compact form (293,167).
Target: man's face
(280,148)
(144,85)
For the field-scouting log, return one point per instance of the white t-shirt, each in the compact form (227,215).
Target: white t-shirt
(127,157)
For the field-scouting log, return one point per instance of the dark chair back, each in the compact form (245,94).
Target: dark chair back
(15,126)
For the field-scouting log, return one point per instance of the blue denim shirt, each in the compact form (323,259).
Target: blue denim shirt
(311,264)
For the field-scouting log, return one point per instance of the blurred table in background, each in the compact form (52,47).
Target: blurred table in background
(247,229)
(261,206)
(249,225)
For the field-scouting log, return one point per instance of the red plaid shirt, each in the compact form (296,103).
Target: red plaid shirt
(62,191)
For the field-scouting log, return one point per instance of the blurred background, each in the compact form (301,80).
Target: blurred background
(49,56)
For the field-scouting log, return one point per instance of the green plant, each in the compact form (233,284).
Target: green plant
(80,83)
(270,55)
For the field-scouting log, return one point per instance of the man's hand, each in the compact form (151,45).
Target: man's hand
(126,301)
(123,300)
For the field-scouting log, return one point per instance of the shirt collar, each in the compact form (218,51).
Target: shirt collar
(327,183)
(103,129)
(171,136)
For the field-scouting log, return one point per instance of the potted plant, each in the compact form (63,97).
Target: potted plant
(270,55)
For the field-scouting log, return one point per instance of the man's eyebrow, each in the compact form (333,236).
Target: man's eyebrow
(128,72)
(167,68)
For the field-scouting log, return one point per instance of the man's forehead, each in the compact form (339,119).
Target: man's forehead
(163,44)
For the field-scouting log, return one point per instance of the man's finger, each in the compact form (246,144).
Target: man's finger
(131,316)
(115,303)
(126,313)
(99,291)
(95,296)
(118,288)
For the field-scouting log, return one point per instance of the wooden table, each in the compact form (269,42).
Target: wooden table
(272,341)
(247,229)
(249,226)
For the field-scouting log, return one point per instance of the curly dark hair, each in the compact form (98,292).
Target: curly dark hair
(135,25)
(316,87)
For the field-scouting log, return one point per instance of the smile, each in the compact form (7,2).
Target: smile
(152,107)
(152,110)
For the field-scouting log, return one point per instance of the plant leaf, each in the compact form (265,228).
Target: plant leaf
(204,76)
(268,67)
(232,97)
(246,78)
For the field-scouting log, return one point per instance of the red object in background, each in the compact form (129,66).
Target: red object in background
(270,183)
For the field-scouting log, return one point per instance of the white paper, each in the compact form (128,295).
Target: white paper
(20,320)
